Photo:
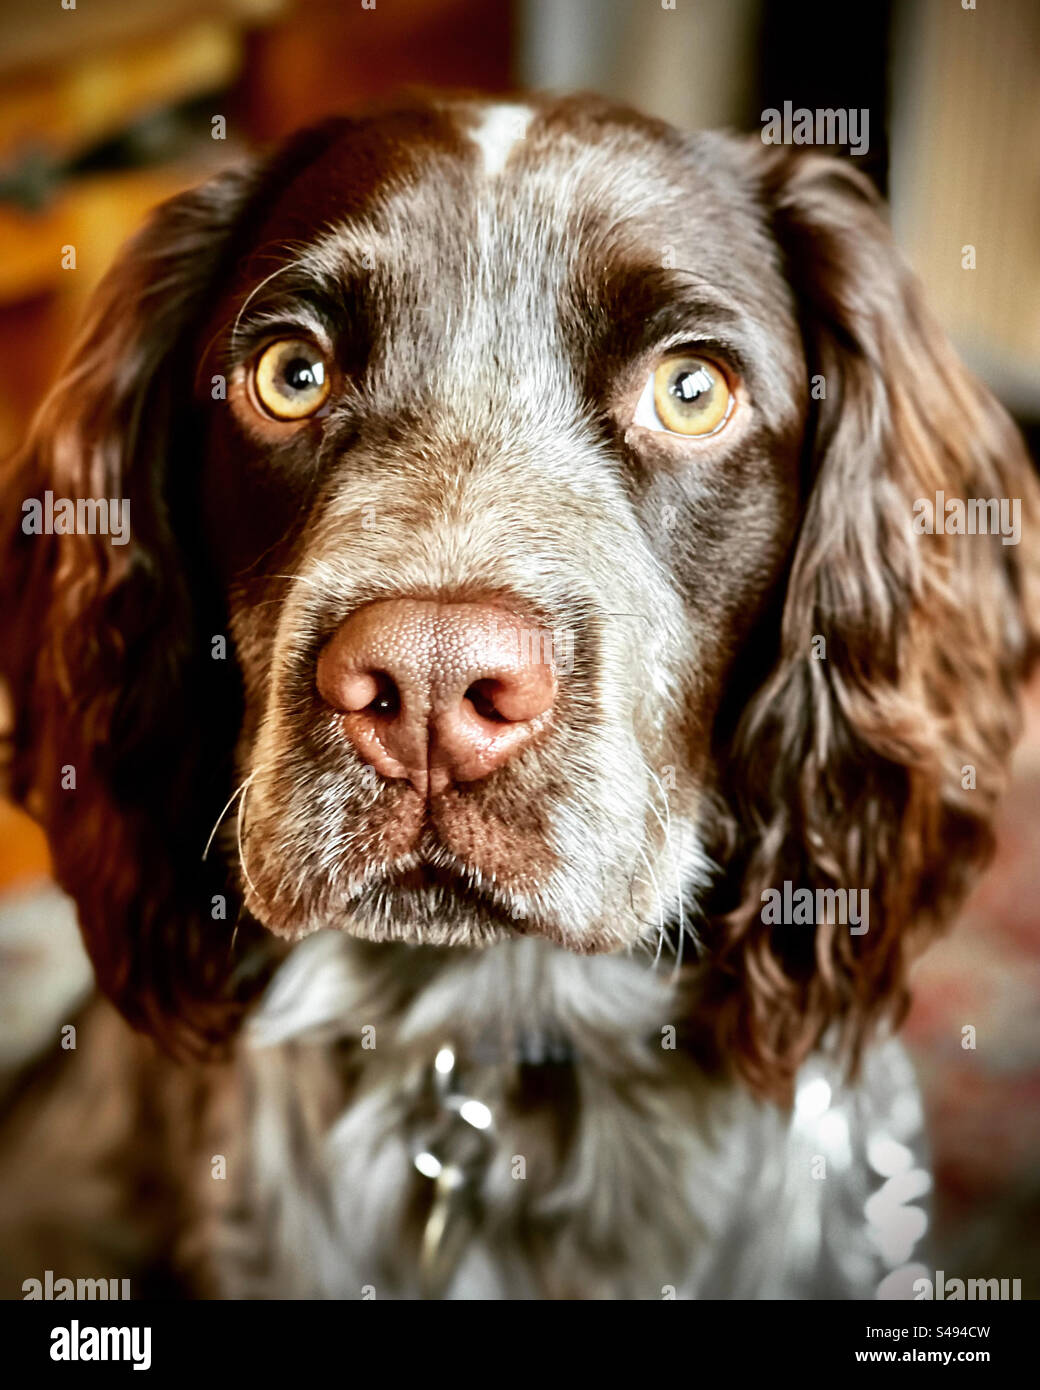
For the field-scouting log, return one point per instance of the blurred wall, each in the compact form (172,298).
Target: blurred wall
(966,173)
(694,66)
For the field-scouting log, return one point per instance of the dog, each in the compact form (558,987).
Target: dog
(522,598)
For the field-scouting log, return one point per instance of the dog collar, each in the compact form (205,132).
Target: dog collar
(453,1146)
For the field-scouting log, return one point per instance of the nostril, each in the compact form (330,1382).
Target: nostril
(482,695)
(360,691)
(518,698)
(387,698)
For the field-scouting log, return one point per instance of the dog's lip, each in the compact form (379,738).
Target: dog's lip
(425,876)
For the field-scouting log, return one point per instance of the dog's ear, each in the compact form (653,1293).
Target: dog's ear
(872,758)
(122,724)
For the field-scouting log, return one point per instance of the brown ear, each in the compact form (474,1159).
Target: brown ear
(876,766)
(123,725)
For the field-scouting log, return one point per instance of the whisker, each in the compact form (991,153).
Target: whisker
(675,862)
(241,811)
(289,265)
(300,579)
(666,826)
(227,807)
(660,904)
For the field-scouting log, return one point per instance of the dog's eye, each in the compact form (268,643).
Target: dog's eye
(685,395)
(291,379)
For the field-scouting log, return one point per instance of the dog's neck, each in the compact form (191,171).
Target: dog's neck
(518,1002)
(445,1067)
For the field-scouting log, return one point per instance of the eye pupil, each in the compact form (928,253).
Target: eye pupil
(301,375)
(687,385)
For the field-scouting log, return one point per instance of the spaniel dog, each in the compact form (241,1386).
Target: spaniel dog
(535,713)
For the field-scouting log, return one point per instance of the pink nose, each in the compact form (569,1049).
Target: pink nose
(438,692)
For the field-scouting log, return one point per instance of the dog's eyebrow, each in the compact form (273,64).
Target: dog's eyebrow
(642,306)
(321,275)
(667,300)
(343,249)
(692,317)
(277,312)
(331,305)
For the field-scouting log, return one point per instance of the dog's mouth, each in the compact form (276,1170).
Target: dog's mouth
(435,896)
(403,869)
(436,905)
(467,871)
(428,876)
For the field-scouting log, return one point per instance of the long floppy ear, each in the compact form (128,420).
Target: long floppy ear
(122,723)
(872,760)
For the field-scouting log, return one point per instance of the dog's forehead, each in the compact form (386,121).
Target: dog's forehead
(540,184)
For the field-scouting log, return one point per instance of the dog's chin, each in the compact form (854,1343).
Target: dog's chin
(426,906)
(420,905)
(429,916)
(431,907)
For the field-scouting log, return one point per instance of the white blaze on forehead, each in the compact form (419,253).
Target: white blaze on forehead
(497,131)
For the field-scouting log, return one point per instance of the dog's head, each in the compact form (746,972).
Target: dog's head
(523,526)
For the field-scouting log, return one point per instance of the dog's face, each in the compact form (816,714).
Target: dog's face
(503,316)
(559,512)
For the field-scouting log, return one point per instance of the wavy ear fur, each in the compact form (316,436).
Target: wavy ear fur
(851,769)
(106,646)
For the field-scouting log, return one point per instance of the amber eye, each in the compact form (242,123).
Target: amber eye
(685,395)
(291,379)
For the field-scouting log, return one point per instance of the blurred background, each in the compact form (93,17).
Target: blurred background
(107,108)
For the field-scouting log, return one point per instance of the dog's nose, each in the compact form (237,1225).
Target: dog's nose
(438,692)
